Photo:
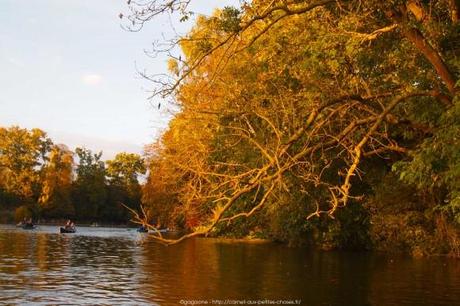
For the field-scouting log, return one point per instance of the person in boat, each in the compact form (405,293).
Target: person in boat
(69,225)
(28,224)
(22,223)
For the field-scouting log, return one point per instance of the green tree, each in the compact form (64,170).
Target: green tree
(125,168)
(123,186)
(89,190)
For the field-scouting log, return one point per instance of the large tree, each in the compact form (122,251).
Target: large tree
(123,186)
(305,95)
(23,153)
(57,178)
(125,168)
(89,191)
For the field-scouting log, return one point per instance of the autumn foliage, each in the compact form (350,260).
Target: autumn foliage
(292,114)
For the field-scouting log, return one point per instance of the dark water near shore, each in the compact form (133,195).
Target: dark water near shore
(122,267)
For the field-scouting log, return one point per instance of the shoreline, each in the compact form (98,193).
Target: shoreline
(256,241)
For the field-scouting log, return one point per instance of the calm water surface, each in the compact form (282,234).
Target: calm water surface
(107,266)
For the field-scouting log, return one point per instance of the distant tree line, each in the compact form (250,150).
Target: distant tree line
(43,180)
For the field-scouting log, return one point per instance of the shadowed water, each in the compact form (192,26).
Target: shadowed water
(122,267)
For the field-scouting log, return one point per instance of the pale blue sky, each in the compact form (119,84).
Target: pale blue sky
(67,67)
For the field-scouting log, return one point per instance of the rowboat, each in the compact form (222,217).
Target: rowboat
(28,226)
(68,230)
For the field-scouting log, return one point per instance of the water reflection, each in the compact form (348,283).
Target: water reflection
(212,270)
(119,266)
(208,269)
(46,268)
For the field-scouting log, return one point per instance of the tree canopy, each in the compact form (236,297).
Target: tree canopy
(22,154)
(297,109)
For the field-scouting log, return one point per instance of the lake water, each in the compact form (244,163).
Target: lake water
(107,266)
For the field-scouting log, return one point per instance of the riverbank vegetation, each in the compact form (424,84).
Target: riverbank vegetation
(47,181)
(329,123)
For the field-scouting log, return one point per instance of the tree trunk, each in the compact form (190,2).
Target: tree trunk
(421,43)
(417,38)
